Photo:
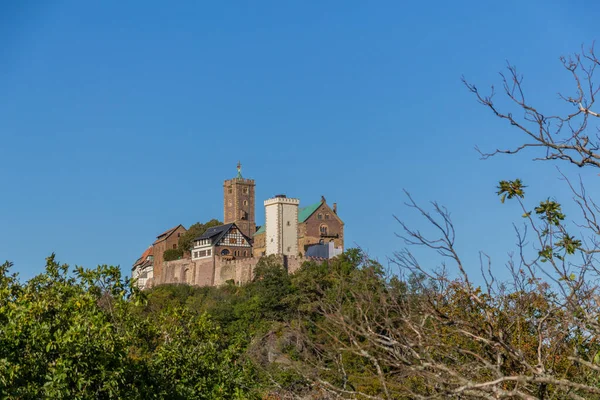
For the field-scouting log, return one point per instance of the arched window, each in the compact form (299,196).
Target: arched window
(245,202)
(225,252)
(321,241)
(319,216)
(245,253)
(326,216)
(323,229)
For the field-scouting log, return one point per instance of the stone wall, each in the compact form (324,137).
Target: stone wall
(216,271)
(159,247)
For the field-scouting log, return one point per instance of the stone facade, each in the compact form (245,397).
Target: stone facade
(259,247)
(281,220)
(239,203)
(321,227)
(164,241)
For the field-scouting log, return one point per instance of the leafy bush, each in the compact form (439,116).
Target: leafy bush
(172,254)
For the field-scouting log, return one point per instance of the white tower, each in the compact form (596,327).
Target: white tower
(281,220)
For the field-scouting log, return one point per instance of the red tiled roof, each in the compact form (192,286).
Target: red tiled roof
(145,254)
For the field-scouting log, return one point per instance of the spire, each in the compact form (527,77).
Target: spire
(239,169)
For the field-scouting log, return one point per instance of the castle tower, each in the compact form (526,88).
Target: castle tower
(281,220)
(238,203)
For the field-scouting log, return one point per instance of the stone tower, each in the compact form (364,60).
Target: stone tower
(238,203)
(281,220)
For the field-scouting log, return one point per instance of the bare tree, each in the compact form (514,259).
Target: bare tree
(429,334)
(560,137)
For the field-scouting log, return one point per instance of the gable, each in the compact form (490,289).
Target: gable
(233,237)
(165,235)
(324,210)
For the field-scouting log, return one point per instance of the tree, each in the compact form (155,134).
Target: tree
(433,333)
(195,230)
(570,136)
(79,334)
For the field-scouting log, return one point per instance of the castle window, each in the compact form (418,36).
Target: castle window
(323,229)
(245,253)
(289,223)
(289,249)
(320,216)
(225,252)
(245,202)
(326,216)
(245,190)
(230,190)
(175,246)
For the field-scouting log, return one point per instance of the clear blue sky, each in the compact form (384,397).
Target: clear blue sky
(119,120)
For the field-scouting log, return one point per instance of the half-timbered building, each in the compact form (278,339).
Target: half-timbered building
(226,241)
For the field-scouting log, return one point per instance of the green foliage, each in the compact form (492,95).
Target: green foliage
(172,254)
(510,189)
(195,230)
(569,243)
(550,211)
(82,334)
(551,215)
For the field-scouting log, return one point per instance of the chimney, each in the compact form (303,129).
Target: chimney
(335,208)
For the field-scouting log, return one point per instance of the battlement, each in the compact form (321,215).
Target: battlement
(282,200)
(238,180)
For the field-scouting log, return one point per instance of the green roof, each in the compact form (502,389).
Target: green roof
(303,214)
(306,212)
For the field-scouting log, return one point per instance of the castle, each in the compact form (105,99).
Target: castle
(229,252)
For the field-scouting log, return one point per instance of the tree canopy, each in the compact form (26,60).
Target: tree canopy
(195,230)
